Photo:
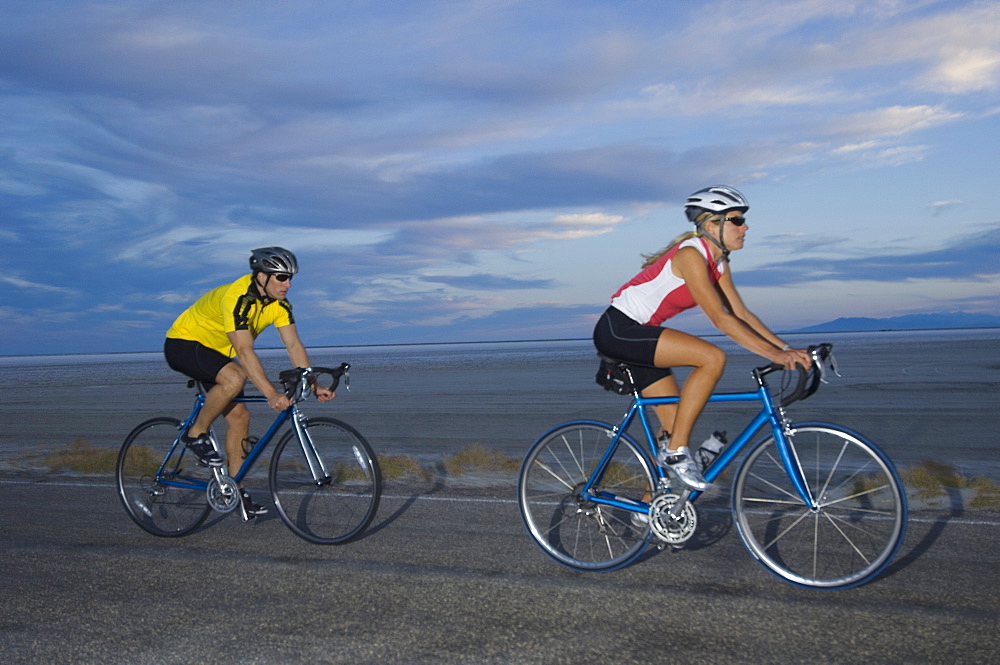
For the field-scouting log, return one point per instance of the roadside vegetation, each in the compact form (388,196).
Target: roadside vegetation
(927,481)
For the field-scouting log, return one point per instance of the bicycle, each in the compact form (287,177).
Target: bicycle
(326,488)
(818,505)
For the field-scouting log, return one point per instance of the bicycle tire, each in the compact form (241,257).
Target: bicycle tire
(151,474)
(854,532)
(578,533)
(340,507)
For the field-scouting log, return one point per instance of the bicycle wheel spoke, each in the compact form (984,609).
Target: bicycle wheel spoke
(552,473)
(161,488)
(847,539)
(569,525)
(788,529)
(326,489)
(855,526)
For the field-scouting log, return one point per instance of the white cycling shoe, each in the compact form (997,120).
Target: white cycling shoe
(680,463)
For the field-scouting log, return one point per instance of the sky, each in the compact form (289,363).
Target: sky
(487,170)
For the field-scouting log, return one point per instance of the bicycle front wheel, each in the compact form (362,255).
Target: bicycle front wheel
(570,528)
(161,487)
(327,488)
(856,526)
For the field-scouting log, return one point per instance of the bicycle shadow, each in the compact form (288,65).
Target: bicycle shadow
(714,523)
(956,509)
(215,518)
(436,487)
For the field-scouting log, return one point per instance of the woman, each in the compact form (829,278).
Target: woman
(691,271)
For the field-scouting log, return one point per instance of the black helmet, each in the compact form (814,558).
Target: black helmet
(273,259)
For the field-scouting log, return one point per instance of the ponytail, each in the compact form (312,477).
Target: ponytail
(703,218)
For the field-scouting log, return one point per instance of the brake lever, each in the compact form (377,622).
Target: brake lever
(824,362)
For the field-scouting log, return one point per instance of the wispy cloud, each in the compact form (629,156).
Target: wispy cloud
(488,282)
(33,286)
(963,258)
(446,165)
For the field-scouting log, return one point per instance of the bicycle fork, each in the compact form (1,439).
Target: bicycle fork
(790,460)
(317,468)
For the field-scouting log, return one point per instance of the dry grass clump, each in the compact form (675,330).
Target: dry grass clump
(479,458)
(82,457)
(987,495)
(932,479)
(396,467)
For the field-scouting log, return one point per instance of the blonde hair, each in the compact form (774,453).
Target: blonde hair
(703,218)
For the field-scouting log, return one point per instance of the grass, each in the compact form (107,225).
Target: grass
(83,457)
(931,479)
(928,480)
(397,467)
(479,458)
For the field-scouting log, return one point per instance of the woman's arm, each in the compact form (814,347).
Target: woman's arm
(689,264)
(735,303)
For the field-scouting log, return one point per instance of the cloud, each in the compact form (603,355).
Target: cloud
(433,163)
(488,282)
(893,121)
(34,286)
(938,208)
(964,258)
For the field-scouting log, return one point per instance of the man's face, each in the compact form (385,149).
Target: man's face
(274,285)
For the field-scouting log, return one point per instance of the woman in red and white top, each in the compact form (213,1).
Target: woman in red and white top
(692,271)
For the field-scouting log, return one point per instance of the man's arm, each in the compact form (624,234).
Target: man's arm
(297,354)
(242,342)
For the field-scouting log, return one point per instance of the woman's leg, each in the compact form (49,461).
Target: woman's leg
(665,413)
(678,349)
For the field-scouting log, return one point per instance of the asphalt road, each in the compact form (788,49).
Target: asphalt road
(453,578)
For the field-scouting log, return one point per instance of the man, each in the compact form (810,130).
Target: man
(213,342)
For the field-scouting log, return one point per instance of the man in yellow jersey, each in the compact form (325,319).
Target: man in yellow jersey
(213,341)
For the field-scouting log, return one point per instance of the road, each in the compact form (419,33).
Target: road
(452,577)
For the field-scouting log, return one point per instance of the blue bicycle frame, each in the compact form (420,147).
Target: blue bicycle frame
(316,465)
(768,414)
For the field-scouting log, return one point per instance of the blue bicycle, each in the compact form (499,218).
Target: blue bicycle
(816,504)
(324,477)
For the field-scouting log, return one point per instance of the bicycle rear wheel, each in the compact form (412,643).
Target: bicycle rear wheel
(334,500)
(161,487)
(856,527)
(571,529)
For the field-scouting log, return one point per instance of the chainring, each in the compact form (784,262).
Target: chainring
(666,528)
(223,493)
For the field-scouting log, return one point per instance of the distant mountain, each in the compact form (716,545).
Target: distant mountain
(929,321)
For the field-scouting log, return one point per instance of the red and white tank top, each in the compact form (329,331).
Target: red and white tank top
(656,293)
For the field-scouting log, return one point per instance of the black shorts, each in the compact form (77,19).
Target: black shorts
(620,337)
(194,360)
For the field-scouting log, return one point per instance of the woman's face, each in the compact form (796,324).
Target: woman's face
(732,234)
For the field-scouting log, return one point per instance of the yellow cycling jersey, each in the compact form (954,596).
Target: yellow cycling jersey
(227,308)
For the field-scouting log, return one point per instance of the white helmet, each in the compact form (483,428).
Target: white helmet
(717,199)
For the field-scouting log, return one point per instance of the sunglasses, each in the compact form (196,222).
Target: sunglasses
(281,276)
(737,221)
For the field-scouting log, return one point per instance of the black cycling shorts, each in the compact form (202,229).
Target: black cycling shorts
(194,360)
(620,337)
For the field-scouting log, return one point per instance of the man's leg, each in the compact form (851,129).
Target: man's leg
(228,384)
(237,429)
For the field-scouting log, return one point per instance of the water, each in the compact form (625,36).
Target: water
(919,394)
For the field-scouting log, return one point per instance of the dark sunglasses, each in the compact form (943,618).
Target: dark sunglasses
(281,276)
(737,221)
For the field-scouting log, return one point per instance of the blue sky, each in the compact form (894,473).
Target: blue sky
(455,171)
